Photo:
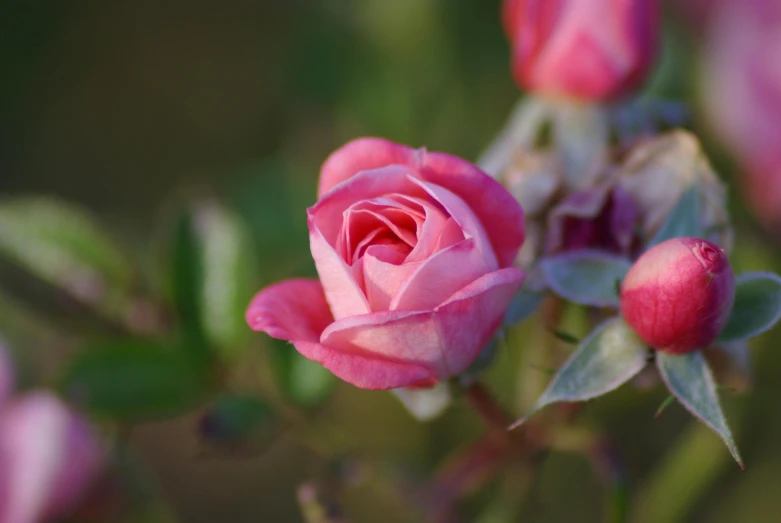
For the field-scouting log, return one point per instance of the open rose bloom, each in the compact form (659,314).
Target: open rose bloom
(415,255)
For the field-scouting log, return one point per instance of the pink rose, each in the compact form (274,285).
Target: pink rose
(585,49)
(742,93)
(415,255)
(48,458)
(679,294)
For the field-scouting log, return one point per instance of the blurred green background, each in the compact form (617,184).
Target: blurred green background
(128,107)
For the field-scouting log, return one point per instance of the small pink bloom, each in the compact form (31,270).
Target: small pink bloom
(679,294)
(742,93)
(585,49)
(602,218)
(415,255)
(48,458)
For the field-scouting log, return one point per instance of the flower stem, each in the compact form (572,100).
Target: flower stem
(489,410)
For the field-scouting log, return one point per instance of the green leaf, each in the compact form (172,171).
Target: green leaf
(228,281)
(65,246)
(212,272)
(587,277)
(425,404)
(610,356)
(690,380)
(524,304)
(683,220)
(302,381)
(185,271)
(239,420)
(134,380)
(757,306)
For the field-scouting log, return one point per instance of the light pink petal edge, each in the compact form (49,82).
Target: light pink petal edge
(364,154)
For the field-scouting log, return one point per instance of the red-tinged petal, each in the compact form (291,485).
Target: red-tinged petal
(470,318)
(466,219)
(292,310)
(497,210)
(363,154)
(365,370)
(296,311)
(445,340)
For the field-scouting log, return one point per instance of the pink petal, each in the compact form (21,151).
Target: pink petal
(49,459)
(496,209)
(363,154)
(292,310)
(383,277)
(365,370)
(328,213)
(470,318)
(296,311)
(343,293)
(465,218)
(445,340)
(440,276)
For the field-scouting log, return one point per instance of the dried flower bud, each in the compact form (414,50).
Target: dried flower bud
(679,295)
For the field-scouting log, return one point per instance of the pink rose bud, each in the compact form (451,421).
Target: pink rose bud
(48,459)
(415,255)
(585,49)
(679,294)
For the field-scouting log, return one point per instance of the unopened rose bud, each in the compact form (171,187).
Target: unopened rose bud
(679,294)
(585,49)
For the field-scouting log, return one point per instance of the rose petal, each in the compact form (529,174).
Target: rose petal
(383,278)
(466,219)
(344,294)
(445,340)
(366,371)
(471,316)
(497,210)
(444,273)
(361,155)
(292,310)
(328,212)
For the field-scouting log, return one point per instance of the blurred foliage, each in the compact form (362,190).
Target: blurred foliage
(193,133)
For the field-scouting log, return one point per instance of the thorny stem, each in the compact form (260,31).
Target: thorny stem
(489,411)
(479,462)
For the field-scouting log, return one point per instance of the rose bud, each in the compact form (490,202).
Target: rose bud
(679,294)
(585,49)
(48,459)
(415,255)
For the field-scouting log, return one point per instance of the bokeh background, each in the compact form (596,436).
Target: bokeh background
(128,108)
